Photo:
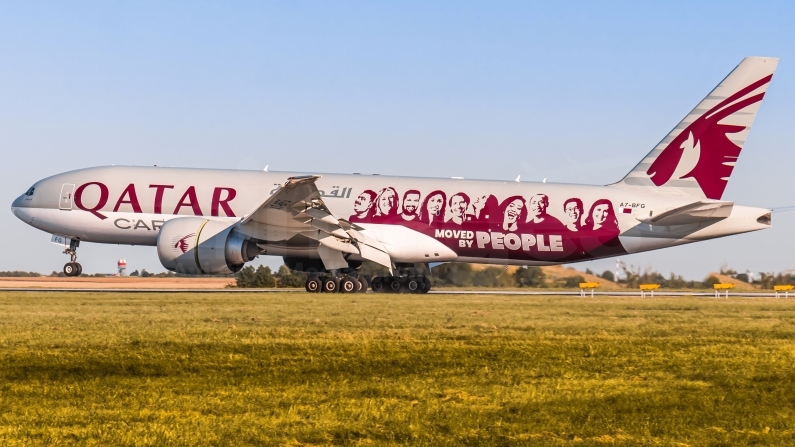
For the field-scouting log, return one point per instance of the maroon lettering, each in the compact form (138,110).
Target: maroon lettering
(192,202)
(103,199)
(132,199)
(222,203)
(159,196)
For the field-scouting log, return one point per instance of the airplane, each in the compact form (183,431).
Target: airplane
(213,221)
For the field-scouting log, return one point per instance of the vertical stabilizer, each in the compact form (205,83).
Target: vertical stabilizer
(697,157)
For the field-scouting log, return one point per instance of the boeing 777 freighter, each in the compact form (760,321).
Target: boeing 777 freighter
(212,221)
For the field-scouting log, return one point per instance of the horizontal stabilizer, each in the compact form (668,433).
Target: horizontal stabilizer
(696,212)
(784,209)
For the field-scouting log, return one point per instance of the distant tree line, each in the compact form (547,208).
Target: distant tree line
(18,274)
(633,279)
(768,280)
(463,275)
(263,277)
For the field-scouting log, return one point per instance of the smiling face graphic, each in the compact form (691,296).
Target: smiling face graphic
(573,212)
(512,211)
(538,205)
(435,204)
(362,203)
(411,203)
(458,205)
(600,213)
(386,203)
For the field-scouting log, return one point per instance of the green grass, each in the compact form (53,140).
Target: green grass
(301,369)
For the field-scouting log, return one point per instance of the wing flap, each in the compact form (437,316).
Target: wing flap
(375,255)
(298,208)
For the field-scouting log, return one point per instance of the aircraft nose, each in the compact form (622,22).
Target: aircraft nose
(19,202)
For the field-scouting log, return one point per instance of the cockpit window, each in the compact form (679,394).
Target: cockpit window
(30,191)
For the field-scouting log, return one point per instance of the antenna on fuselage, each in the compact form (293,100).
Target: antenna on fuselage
(518,177)
(266,168)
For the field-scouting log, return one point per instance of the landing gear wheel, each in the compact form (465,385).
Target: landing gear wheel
(378,284)
(426,285)
(362,284)
(331,285)
(413,284)
(349,285)
(394,285)
(313,285)
(70,269)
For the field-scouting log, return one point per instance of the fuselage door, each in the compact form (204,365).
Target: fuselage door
(67,190)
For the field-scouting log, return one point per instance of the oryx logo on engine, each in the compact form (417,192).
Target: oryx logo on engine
(182,243)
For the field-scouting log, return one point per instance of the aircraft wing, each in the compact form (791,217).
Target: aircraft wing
(297,208)
(696,212)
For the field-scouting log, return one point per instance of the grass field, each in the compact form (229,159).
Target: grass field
(301,369)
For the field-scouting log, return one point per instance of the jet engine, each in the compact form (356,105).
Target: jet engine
(199,246)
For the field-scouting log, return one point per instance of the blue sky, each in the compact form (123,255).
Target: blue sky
(568,91)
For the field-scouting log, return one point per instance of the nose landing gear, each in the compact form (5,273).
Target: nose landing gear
(72,268)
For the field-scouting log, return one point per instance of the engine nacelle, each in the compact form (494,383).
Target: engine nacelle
(199,246)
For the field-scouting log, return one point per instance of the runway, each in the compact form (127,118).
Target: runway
(738,294)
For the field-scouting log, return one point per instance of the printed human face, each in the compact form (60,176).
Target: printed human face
(600,215)
(458,206)
(362,203)
(387,202)
(435,204)
(513,210)
(537,206)
(573,212)
(411,203)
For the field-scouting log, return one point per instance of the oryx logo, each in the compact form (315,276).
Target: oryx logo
(704,150)
(182,243)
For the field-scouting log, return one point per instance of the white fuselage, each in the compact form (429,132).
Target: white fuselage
(468,220)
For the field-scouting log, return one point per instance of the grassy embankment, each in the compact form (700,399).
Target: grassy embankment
(294,368)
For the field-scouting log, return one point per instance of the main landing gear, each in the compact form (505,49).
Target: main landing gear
(334,284)
(409,279)
(72,268)
(401,284)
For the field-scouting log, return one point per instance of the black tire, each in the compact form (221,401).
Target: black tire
(331,285)
(364,281)
(377,285)
(79,269)
(394,285)
(426,285)
(69,269)
(349,285)
(414,285)
(313,284)
(362,285)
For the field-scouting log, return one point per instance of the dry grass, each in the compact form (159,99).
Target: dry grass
(115,282)
(301,369)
